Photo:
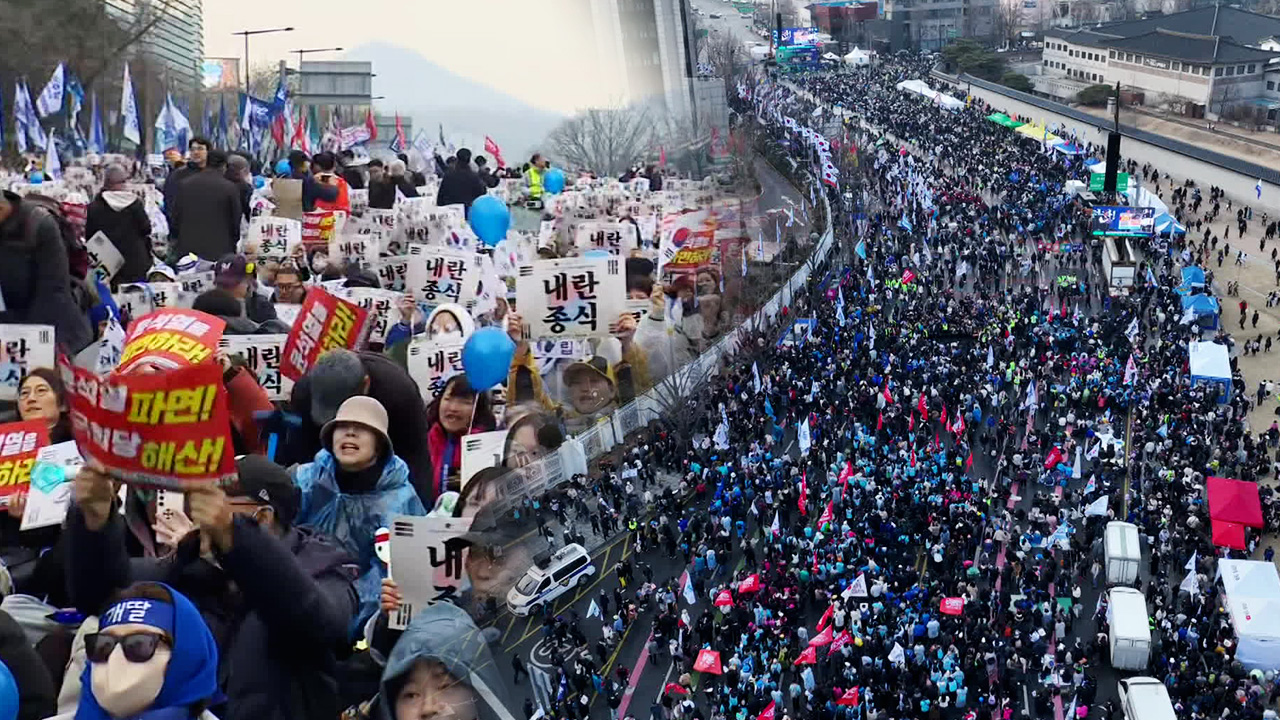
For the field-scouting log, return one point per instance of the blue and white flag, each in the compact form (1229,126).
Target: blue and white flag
(76,94)
(861,249)
(30,122)
(132,124)
(1258,188)
(904,223)
(255,114)
(1032,400)
(593,610)
(755,374)
(50,100)
(19,122)
(840,314)
(689,596)
(52,164)
(172,127)
(802,437)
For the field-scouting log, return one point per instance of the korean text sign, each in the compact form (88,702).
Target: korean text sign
(432,362)
(169,430)
(262,354)
(276,236)
(23,347)
(439,275)
(572,297)
(170,339)
(20,442)
(324,323)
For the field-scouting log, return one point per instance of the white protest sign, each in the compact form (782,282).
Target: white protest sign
(355,244)
(440,275)
(194,282)
(104,258)
(110,346)
(287,313)
(276,237)
(47,506)
(173,294)
(392,272)
(380,224)
(571,297)
(134,300)
(432,362)
(613,237)
(383,313)
(22,348)
(262,353)
(639,309)
(427,561)
(480,451)
(359,201)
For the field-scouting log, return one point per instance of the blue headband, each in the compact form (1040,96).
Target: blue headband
(141,611)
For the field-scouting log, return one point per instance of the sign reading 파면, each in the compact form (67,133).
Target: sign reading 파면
(23,347)
(104,258)
(262,355)
(276,236)
(432,362)
(171,339)
(19,444)
(168,430)
(439,275)
(324,323)
(572,297)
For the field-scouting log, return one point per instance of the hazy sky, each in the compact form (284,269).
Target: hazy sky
(488,41)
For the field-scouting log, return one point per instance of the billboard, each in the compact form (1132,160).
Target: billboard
(1124,221)
(219,74)
(798,58)
(796,36)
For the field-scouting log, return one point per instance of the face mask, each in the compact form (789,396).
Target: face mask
(449,335)
(124,688)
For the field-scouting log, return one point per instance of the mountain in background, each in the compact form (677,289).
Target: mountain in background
(431,95)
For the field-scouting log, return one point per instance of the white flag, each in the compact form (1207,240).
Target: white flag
(129,110)
(1130,371)
(755,374)
(802,437)
(991,357)
(896,655)
(1132,330)
(689,597)
(50,100)
(593,610)
(1097,508)
(19,119)
(721,438)
(1032,400)
(1191,583)
(859,586)
(52,165)
(776,527)
(1191,562)
(1075,469)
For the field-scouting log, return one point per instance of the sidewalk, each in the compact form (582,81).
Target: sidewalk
(1229,140)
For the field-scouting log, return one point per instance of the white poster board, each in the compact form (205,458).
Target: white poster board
(262,355)
(22,348)
(441,275)
(431,363)
(427,563)
(104,258)
(571,297)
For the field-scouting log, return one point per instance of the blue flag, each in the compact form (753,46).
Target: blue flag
(97,135)
(768,408)
(224,135)
(861,249)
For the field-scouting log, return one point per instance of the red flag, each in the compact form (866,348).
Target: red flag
(400,144)
(887,397)
(492,148)
(943,418)
(675,688)
(277,130)
(750,584)
(913,457)
(923,408)
(827,515)
(880,421)
(844,638)
(300,139)
(708,662)
(952,605)
(845,475)
(911,422)
(768,712)
(809,656)
(907,276)
(849,698)
(804,494)
(826,617)
(662,156)
(370,124)
(968,464)
(724,599)
(1055,457)
(823,638)
(959,426)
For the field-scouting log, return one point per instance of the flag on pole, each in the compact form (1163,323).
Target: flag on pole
(52,165)
(50,100)
(662,156)
(1130,371)
(1258,188)
(775,528)
(593,610)
(1097,508)
(132,125)
(828,514)
(803,500)
(755,375)
(689,596)
(492,148)
(861,249)
(802,436)
(1191,562)
(1190,583)
(398,143)
(1031,400)
(73,112)
(19,119)
(859,586)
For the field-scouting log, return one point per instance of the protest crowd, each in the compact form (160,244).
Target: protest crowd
(288,446)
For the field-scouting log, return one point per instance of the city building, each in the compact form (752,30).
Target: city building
(1207,62)
(648,45)
(849,22)
(891,25)
(387,131)
(176,39)
(341,86)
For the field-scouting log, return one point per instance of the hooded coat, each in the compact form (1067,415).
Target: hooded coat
(352,519)
(35,277)
(121,216)
(446,634)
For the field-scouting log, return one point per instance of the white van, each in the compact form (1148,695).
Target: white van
(1130,629)
(570,566)
(1145,698)
(1123,553)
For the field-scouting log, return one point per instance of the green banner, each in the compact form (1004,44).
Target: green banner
(1096,181)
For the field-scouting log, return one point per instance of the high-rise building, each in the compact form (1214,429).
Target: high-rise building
(176,39)
(648,46)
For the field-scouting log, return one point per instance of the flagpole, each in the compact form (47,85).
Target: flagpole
(1128,435)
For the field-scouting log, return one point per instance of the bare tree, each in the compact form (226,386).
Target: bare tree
(607,141)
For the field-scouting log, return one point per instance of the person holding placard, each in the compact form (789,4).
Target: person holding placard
(457,412)
(121,215)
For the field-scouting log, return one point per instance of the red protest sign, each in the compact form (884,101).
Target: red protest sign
(169,430)
(19,443)
(171,338)
(321,226)
(952,606)
(325,322)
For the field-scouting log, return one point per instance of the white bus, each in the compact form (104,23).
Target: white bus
(1119,264)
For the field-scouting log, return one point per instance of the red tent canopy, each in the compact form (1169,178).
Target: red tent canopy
(1228,534)
(708,662)
(1234,501)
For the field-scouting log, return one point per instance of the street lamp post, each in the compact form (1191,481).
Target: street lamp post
(246,34)
(313,50)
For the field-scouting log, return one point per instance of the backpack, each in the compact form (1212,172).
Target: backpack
(77,254)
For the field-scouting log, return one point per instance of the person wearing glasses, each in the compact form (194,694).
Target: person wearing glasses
(278,598)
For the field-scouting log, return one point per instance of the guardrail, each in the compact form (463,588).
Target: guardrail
(579,450)
(1226,162)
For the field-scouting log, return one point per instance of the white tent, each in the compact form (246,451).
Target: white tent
(1146,198)
(857,57)
(1253,598)
(920,87)
(1211,363)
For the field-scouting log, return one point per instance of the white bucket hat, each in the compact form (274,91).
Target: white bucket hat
(363,410)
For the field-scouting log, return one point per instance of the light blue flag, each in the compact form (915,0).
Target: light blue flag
(861,249)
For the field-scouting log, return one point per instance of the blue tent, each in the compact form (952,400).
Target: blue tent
(1166,225)
(1192,276)
(1067,148)
(1203,309)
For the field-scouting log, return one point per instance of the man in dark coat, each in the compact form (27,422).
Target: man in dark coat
(206,213)
(461,184)
(122,217)
(35,278)
(340,374)
(198,157)
(278,600)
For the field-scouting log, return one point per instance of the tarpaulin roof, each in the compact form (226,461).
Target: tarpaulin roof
(1228,534)
(1202,304)
(1005,120)
(1067,148)
(1234,501)
(1192,275)
(1038,133)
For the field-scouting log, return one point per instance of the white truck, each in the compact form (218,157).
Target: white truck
(1119,265)
(1123,553)
(1145,698)
(1130,629)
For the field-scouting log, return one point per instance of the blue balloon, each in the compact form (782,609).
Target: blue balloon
(8,694)
(553,181)
(283,168)
(490,219)
(259,181)
(486,358)
(36,177)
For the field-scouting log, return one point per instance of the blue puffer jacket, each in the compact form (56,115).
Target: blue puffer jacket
(351,520)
